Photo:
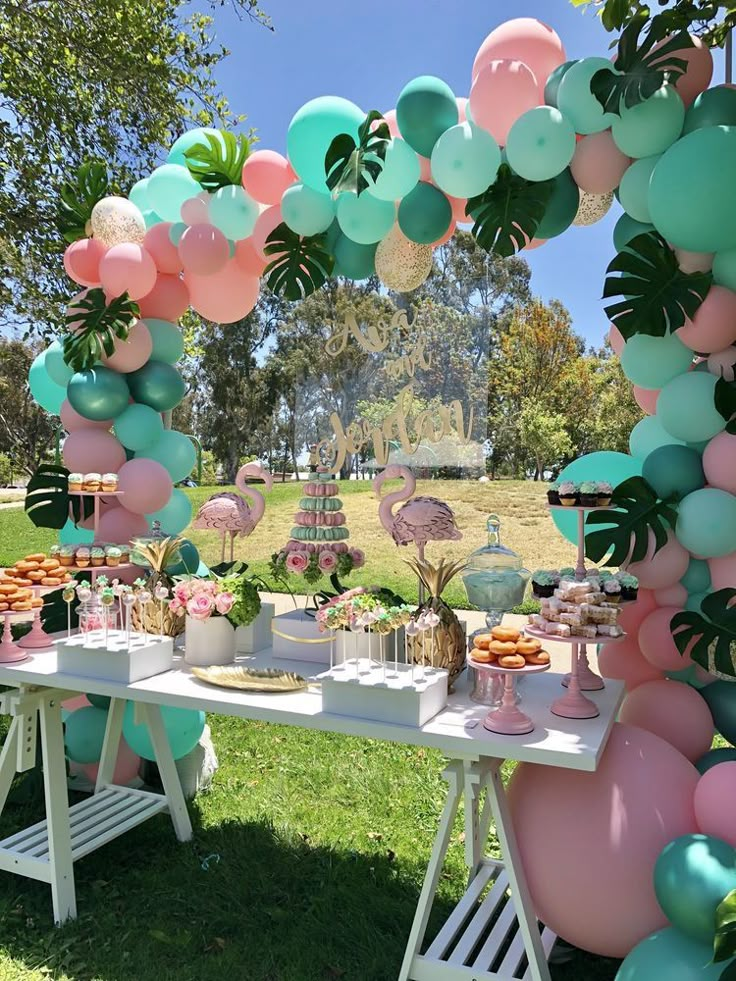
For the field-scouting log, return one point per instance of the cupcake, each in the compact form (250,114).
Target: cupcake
(124,554)
(588,491)
(543,583)
(553,496)
(97,555)
(612,589)
(568,492)
(629,586)
(567,572)
(54,552)
(82,557)
(109,482)
(92,482)
(75,482)
(66,555)
(112,555)
(604,494)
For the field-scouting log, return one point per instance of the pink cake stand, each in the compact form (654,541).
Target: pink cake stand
(10,652)
(37,638)
(587,678)
(508,719)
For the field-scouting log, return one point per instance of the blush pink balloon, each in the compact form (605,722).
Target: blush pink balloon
(82,261)
(196,210)
(462,104)
(723,572)
(501,92)
(203,250)
(616,340)
(425,169)
(623,661)
(266,175)
(663,569)
(671,595)
(699,71)
(127,267)
(120,525)
(145,484)
(89,450)
(702,676)
(633,614)
(523,39)
(72,421)
(78,702)
(722,363)
(162,250)
(132,353)
(168,300)
(127,766)
(657,644)
(248,259)
(224,297)
(535,244)
(603,832)
(691,262)
(458,206)
(719,463)
(446,237)
(393,126)
(265,223)
(598,165)
(715,802)
(675,712)
(713,327)
(646,398)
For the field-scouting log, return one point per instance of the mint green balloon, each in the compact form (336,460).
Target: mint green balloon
(151,218)
(561,208)
(686,407)
(138,194)
(694,601)
(174,516)
(56,367)
(706,523)
(714,107)
(651,362)
(84,734)
(71,535)
(175,452)
(233,211)
(552,85)
(669,955)
(724,268)
(98,393)
(306,211)
(312,130)
(138,427)
(168,340)
(465,161)
(400,172)
(540,144)
(697,577)
(626,229)
(691,198)
(169,186)
(353,260)
(425,214)
(577,102)
(602,465)
(426,107)
(177,153)
(633,191)
(649,435)
(44,389)
(364,218)
(649,128)
(176,231)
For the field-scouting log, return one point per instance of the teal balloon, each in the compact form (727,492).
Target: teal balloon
(713,757)
(686,407)
(576,101)
(649,127)
(552,86)
(633,191)
(56,367)
(465,161)
(312,130)
(724,269)
(177,153)
(183,730)
(84,734)
(692,875)
(540,144)
(674,470)
(71,535)
(691,197)
(353,260)
(561,208)
(168,340)
(175,515)
(98,393)
(306,211)
(157,384)
(364,218)
(651,362)
(426,107)
(233,211)
(400,173)
(669,955)
(697,577)
(424,214)
(694,601)
(169,186)
(188,562)
(647,436)
(706,523)
(138,194)
(44,389)
(627,229)
(603,465)
(720,697)
(138,427)
(175,452)
(176,231)
(99,701)
(714,107)
(151,218)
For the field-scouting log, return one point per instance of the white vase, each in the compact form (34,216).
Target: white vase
(209,641)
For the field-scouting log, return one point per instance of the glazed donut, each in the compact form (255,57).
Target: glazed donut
(505,633)
(36,575)
(36,557)
(4,607)
(48,564)
(37,602)
(29,565)
(482,641)
(24,582)
(51,581)
(7,588)
(21,606)
(511,661)
(483,657)
(528,645)
(539,657)
(502,648)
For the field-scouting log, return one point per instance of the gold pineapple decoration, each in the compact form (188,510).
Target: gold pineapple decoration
(157,554)
(449,646)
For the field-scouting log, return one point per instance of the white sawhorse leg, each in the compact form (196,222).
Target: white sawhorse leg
(177,805)
(57,811)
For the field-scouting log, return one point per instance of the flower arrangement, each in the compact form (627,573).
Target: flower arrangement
(313,564)
(362,607)
(202,598)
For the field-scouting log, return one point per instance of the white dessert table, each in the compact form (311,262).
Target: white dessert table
(492,933)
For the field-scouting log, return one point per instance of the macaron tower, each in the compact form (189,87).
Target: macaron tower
(320,520)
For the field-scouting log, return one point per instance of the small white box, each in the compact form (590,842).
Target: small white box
(256,636)
(297,637)
(89,657)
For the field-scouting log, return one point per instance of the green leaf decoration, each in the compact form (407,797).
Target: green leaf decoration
(48,503)
(78,198)
(729,972)
(725,402)
(508,212)
(349,165)
(713,629)
(724,944)
(639,510)
(54,612)
(213,165)
(300,265)
(102,323)
(639,70)
(658,296)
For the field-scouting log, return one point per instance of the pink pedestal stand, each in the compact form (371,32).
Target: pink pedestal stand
(10,652)
(587,678)
(508,719)
(37,637)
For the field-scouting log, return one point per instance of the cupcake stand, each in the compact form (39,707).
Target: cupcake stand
(508,719)
(97,497)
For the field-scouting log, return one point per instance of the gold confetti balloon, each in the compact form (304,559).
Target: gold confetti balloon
(592,208)
(402,265)
(115,220)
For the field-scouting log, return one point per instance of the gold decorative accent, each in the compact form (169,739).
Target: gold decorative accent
(115,220)
(592,208)
(401,264)
(252,679)
(300,640)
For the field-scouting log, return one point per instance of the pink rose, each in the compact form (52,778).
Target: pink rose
(327,561)
(181,592)
(175,606)
(296,562)
(224,603)
(200,606)
(358,558)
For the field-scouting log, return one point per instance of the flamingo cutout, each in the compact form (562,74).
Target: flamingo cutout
(419,520)
(230,513)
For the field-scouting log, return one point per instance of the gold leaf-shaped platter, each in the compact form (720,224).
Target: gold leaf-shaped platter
(267,680)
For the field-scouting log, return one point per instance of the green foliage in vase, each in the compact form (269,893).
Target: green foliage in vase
(507,214)
(349,165)
(78,197)
(99,325)
(714,631)
(638,511)
(299,264)
(218,162)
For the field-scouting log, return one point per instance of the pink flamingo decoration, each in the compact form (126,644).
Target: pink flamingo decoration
(229,513)
(419,520)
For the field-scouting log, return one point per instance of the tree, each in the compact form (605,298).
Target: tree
(710,19)
(543,435)
(26,431)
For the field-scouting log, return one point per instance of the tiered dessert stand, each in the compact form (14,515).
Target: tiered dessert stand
(508,719)
(97,497)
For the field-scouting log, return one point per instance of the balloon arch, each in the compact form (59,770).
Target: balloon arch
(541,143)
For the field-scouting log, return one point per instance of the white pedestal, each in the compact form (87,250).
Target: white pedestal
(89,657)
(256,636)
(297,637)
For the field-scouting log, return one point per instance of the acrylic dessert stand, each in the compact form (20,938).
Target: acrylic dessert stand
(508,719)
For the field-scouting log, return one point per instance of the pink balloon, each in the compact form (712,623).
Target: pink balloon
(502,91)
(393,126)
(723,571)
(715,802)
(458,206)
(713,327)
(522,39)
(120,525)
(675,712)
(446,237)
(656,642)
(535,244)
(647,398)
(425,169)
(615,339)
(265,223)
(603,832)
(168,300)
(719,463)
(665,568)
(248,259)
(722,363)
(702,676)
(92,449)
(699,69)
(82,261)
(598,165)
(196,210)
(691,262)
(266,175)
(203,250)
(623,661)
(78,702)
(145,484)
(633,614)
(127,267)
(671,595)
(72,421)
(105,505)
(132,353)
(226,296)
(462,104)
(127,766)
(163,251)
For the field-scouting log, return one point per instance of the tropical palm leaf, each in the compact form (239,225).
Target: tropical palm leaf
(638,511)
(78,198)
(658,296)
(54,612)
(347,163)
(48,503)
(724,945)
(213,165)
(300,265)
(98,325)
(508,213)
(725,403)
(713,629)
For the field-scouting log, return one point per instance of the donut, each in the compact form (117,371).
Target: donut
(502,648)
(11,572)
(7,589)
(539,657)
(22,595)
(36,602)
(36,575)
(35,557)
(4,607)
(528,645)
(49,564)
(21,606)
(505,633)
(482,641)
(51,581)
(483,657)
(24,582)
(511,661)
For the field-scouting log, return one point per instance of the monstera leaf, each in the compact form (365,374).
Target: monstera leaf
(300,265)
(347,163)
(639,69)
(78,198)
(48,502)
(725,402)
(54,613)
(639,511)
(724,945)
(658,295)
(508,212)
(98,324)
(213,165)
(713,629)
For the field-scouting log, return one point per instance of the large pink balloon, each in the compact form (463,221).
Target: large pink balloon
(675,595)
(616,340)
(719,463)
(77,702)
(691,262)
(127,267)
(647,399)
(501,92)
(196,210)
(523,39)
(145,484)
(119,525)
(623,661)
(127,766)
(675,712)
(589,841)
(72,421)
(722,363)
(266,175)
(656,642)
(597,164)
(248,259)
(425,169)
(132,353)
(168,300)
(665,568)
(458,206)
(699,69)
(713,327)
(203,250)
(88,450)
(723,572)
(163,251)
(393,126)
(265,224)
(226,296)
(715,802)
(633,614)
(82,261)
